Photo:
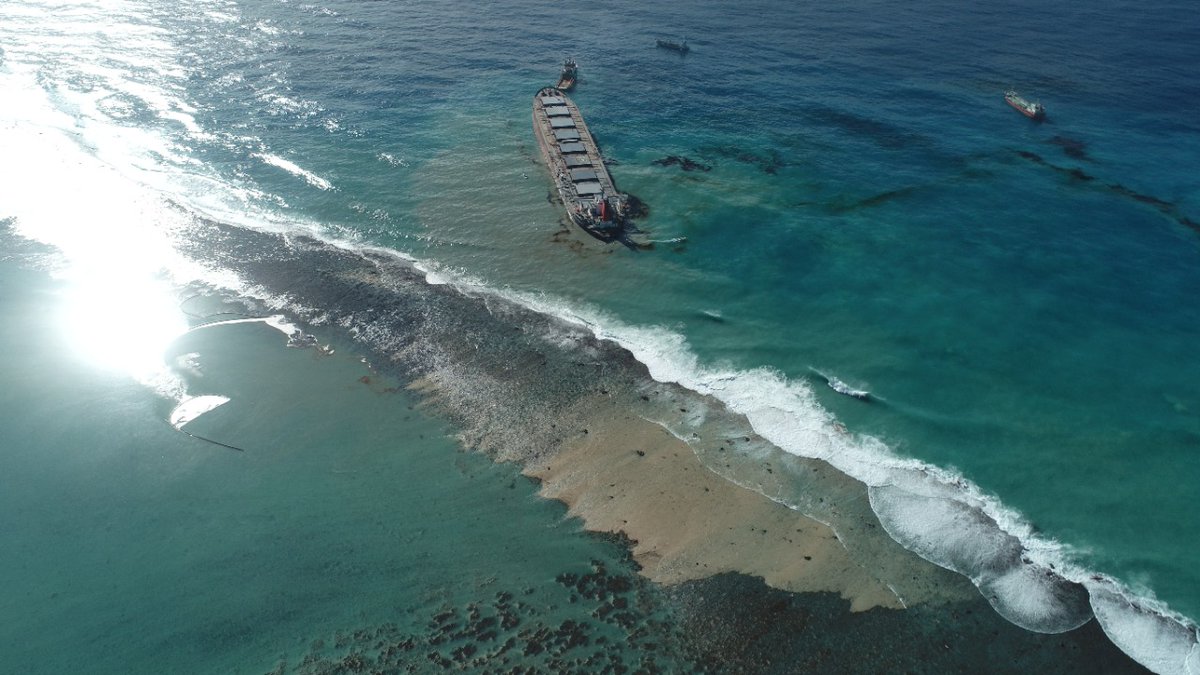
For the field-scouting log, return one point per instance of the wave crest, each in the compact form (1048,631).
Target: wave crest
(1152,635)
(934,512)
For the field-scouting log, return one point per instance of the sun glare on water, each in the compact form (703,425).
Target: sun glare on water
(122,322)
(119,310)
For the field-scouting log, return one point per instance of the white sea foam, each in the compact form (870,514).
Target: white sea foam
(1030,580)
(276,321)
(391,159)
(192,407)
(295,169)
(845,389)
(1147,631)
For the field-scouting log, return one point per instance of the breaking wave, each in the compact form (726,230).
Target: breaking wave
(192,407)
(296,170)
(939,515)
(843,388)
(1143,628)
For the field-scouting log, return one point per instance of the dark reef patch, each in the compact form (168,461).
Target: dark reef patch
(510,381)
(685,163)
(1160,204)
(769,162)
(1071,147)
(887,136)
(730,623)
(610,622)
(1077,175)
(886,196)
(635,207)
(738,624)
(840,206)
(474,348)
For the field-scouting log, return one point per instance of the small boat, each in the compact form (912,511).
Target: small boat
(570,72)
(681,47)
(1030,109)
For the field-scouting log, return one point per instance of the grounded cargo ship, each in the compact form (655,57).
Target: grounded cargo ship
(1033,111)
(574,161)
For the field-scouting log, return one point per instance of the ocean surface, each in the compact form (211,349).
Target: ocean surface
(215,453)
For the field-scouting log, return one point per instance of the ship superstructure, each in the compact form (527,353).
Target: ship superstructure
(569,75)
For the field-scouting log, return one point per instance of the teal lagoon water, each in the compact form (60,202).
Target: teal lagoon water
(346,519)
(348,531)
(1015,297)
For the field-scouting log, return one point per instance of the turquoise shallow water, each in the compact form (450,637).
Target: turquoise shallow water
(134,548)
(1016,297)
(346,531)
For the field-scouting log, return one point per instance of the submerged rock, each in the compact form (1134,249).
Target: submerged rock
(685,163)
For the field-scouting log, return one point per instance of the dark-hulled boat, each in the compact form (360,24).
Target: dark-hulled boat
(570,73)
(1030,109)
(570,153)
(681,47)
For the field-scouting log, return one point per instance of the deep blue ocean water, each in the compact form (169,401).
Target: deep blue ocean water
(1018,298)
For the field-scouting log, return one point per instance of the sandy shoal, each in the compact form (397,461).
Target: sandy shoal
(630,475)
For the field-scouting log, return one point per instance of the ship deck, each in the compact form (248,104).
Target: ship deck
(554,157)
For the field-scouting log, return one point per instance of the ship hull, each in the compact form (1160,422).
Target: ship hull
(583,183)
(1028,113)
(1031,110)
